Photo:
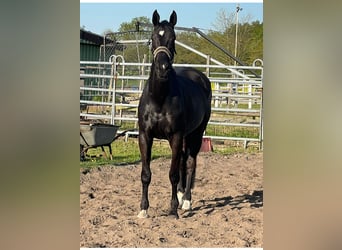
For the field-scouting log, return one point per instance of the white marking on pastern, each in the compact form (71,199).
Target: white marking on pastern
(186,205)
(180,198)
(143,214)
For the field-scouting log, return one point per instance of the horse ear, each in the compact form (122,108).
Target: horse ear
(155,18)
(173,18)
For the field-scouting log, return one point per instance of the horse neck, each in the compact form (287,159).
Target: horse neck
(158,89)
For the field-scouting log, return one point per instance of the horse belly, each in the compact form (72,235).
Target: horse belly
(193,123)
(195,114)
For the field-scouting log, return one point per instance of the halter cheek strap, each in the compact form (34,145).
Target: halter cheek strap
(162,49)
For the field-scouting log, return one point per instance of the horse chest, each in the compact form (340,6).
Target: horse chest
(162,122)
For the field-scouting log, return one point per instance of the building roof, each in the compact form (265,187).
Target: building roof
(89,37)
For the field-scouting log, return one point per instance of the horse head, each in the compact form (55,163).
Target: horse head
(163,44)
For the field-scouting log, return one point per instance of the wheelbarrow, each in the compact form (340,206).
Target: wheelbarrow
(93,135)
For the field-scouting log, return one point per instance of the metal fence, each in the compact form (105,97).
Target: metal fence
(110,92)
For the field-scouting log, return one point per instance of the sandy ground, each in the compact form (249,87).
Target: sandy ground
(227,206)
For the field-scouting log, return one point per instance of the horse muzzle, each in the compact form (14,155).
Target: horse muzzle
(163,60)
(163,70)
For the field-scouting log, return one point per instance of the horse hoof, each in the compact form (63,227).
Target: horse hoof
(186,205)
(180,198)
(174,215)
(143,214)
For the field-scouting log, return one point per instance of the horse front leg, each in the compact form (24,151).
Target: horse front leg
(145,145)
(176,144)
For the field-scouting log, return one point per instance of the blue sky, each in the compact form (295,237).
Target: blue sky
(98,17)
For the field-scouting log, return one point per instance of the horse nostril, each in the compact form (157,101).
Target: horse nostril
(165,66)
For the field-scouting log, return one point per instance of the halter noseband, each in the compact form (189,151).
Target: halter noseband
(162,49)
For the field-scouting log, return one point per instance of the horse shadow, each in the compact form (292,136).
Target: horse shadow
(254,200)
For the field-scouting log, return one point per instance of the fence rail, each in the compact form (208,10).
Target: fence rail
(110,91)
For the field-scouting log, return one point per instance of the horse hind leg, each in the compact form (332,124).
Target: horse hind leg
(190,176)
(182,179)
(194,144)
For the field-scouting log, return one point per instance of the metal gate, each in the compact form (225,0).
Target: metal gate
(237,102)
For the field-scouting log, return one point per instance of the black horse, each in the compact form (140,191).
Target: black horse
(175,105)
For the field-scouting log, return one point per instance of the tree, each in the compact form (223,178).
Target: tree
(131,31)
(250,40)
(131,26)
(185,56)
(223,20)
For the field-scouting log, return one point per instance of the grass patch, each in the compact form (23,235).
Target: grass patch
(232,131)
(239,106)
(233,147)
(124,153)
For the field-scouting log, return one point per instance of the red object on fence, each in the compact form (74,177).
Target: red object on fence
(206,145)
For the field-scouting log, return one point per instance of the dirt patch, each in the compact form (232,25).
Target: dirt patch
(227,205)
